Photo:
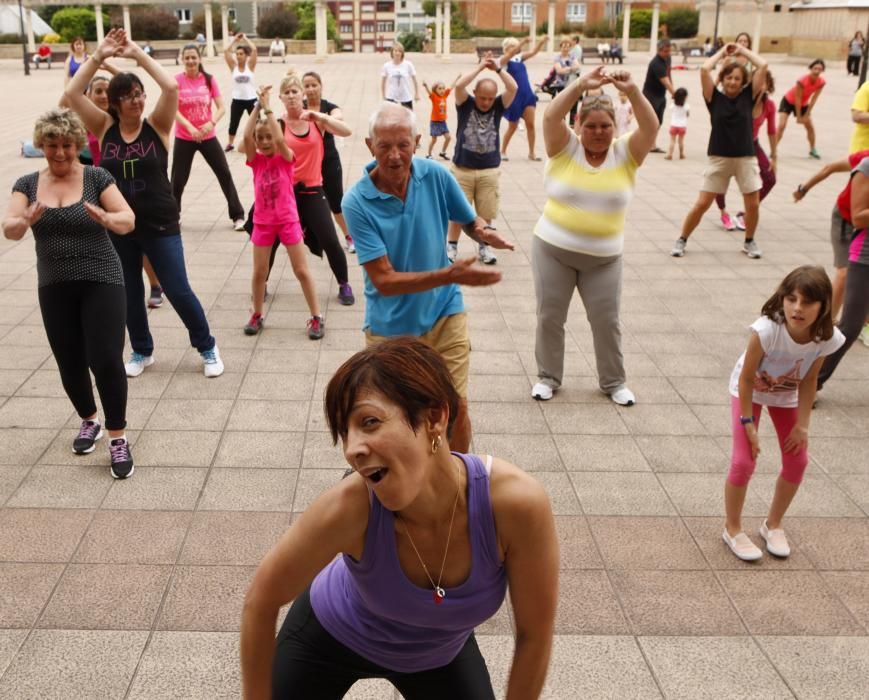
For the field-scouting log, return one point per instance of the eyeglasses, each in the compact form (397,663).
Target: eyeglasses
(592,100)
(132,96)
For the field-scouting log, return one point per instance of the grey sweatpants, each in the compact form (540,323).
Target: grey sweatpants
(557,273)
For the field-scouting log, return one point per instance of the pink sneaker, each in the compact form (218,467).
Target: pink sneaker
(727,222)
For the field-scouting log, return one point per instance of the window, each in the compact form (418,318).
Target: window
(385,27)
(521,12)
(576,12)
(346,28)
(403,4)
(346,7)
(185,16)
(368,27)
(368,7)
(231,13)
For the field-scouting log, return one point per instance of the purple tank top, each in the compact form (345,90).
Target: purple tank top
(371,607)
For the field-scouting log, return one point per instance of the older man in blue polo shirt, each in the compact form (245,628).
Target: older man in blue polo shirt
(398,214)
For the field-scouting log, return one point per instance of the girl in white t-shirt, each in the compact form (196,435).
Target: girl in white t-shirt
(779,370)
(397,77)
(678,123)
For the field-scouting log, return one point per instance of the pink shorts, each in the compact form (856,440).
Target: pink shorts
(266,234)
(678,130)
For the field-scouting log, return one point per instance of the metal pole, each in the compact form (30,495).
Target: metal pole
(715,32)
(23,39)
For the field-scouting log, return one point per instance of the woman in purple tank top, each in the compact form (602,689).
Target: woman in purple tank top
(429,540)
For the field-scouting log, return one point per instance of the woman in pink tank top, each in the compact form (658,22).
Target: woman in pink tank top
(304,135)
(429,540)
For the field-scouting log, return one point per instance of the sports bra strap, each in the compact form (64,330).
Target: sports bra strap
(488,465)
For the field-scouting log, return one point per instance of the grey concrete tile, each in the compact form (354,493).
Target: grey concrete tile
(707,533)
(250,489)
(600,453)
(312,483)
(576,548)
(821,667)
(190,414)
(200,665)
(23,446)
(676,603)
(10,478)
(268,415)
(696,668)
(644,419)
(788,603)
(62,487)
(320,453)
(20,358)
(149,385)
(258,449)
(232,538)
(620,493)
(22,412)
(133,537)
(683,453)
(497,650)
(515,388)
(41,535)
(562,496)
(645,543)
(72,664)
(205,598)
(831,543)
(819,496)
(184,385)
(857,487)
(584,419)
(588,605)
(106,596)
(157,488)
(701,390)
(43,383)
(176,448)
(26,588)
(529,452)
(10,642)
(598,667)
(506,417)
(852,587)
(281,387)
(840,455)
(703,494)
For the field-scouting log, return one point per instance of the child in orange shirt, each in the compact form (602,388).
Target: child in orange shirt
(438,125)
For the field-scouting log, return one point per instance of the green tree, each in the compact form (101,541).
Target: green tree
(429,7)
(682,22)
(280,21)
(308,23)
(71,22)
(641,24)
(412,41)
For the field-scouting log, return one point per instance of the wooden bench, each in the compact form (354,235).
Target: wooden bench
(161,54)
(691,52)
(58,57)
(496,52)
(589,53)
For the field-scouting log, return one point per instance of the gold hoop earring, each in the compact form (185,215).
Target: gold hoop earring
(435,444)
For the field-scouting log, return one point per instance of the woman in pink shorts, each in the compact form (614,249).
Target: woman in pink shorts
(275,213)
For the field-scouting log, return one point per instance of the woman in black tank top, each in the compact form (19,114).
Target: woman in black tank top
(134,150)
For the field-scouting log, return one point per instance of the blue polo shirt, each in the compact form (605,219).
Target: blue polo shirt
(412,234)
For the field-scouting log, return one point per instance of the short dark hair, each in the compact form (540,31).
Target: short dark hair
(404,370)
(730,66)
(122,84)
(813,283)
(680,96)
(664,43)
(816,62)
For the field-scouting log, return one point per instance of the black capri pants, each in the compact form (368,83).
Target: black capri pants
(317,224)
(182,158)
(310,664)
(333,182)
(85,325)
(236,109)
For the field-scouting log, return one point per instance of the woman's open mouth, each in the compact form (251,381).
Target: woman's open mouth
(376,475)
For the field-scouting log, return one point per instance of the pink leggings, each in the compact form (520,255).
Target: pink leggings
(793,465)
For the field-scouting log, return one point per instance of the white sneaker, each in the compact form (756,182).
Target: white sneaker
(623,396)
(452,251)
(212,365)
(678,249)
(776,542)
(541,392)
(137,364)
(486,256)
(238,224)
(742,546)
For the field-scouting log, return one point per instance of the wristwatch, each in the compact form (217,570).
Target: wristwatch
(746,420)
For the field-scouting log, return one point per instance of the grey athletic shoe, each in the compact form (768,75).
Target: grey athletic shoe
(751,250)
(679,248)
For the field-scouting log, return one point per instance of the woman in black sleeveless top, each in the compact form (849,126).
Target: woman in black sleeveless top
(134,150)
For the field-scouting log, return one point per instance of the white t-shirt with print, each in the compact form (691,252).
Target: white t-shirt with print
(784,365)
(398,83)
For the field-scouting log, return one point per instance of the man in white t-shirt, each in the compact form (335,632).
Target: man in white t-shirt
(278,48)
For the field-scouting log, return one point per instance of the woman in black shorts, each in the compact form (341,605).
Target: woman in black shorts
(69,206)
(333,175)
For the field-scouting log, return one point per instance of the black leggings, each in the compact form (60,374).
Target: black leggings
(182,159)
(236,109)
(311,664)
(84,322)
(316,219)
(854,312)
(854,65)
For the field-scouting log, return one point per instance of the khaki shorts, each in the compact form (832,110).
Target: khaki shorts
(744,170)
(449,336)
(481,188)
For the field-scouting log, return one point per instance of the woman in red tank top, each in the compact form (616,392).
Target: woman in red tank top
(304,135)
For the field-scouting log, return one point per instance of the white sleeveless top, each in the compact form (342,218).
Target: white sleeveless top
(243,84)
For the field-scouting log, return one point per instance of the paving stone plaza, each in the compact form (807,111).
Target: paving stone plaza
(117,589)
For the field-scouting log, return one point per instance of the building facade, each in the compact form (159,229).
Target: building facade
(410,17)
(365,26)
